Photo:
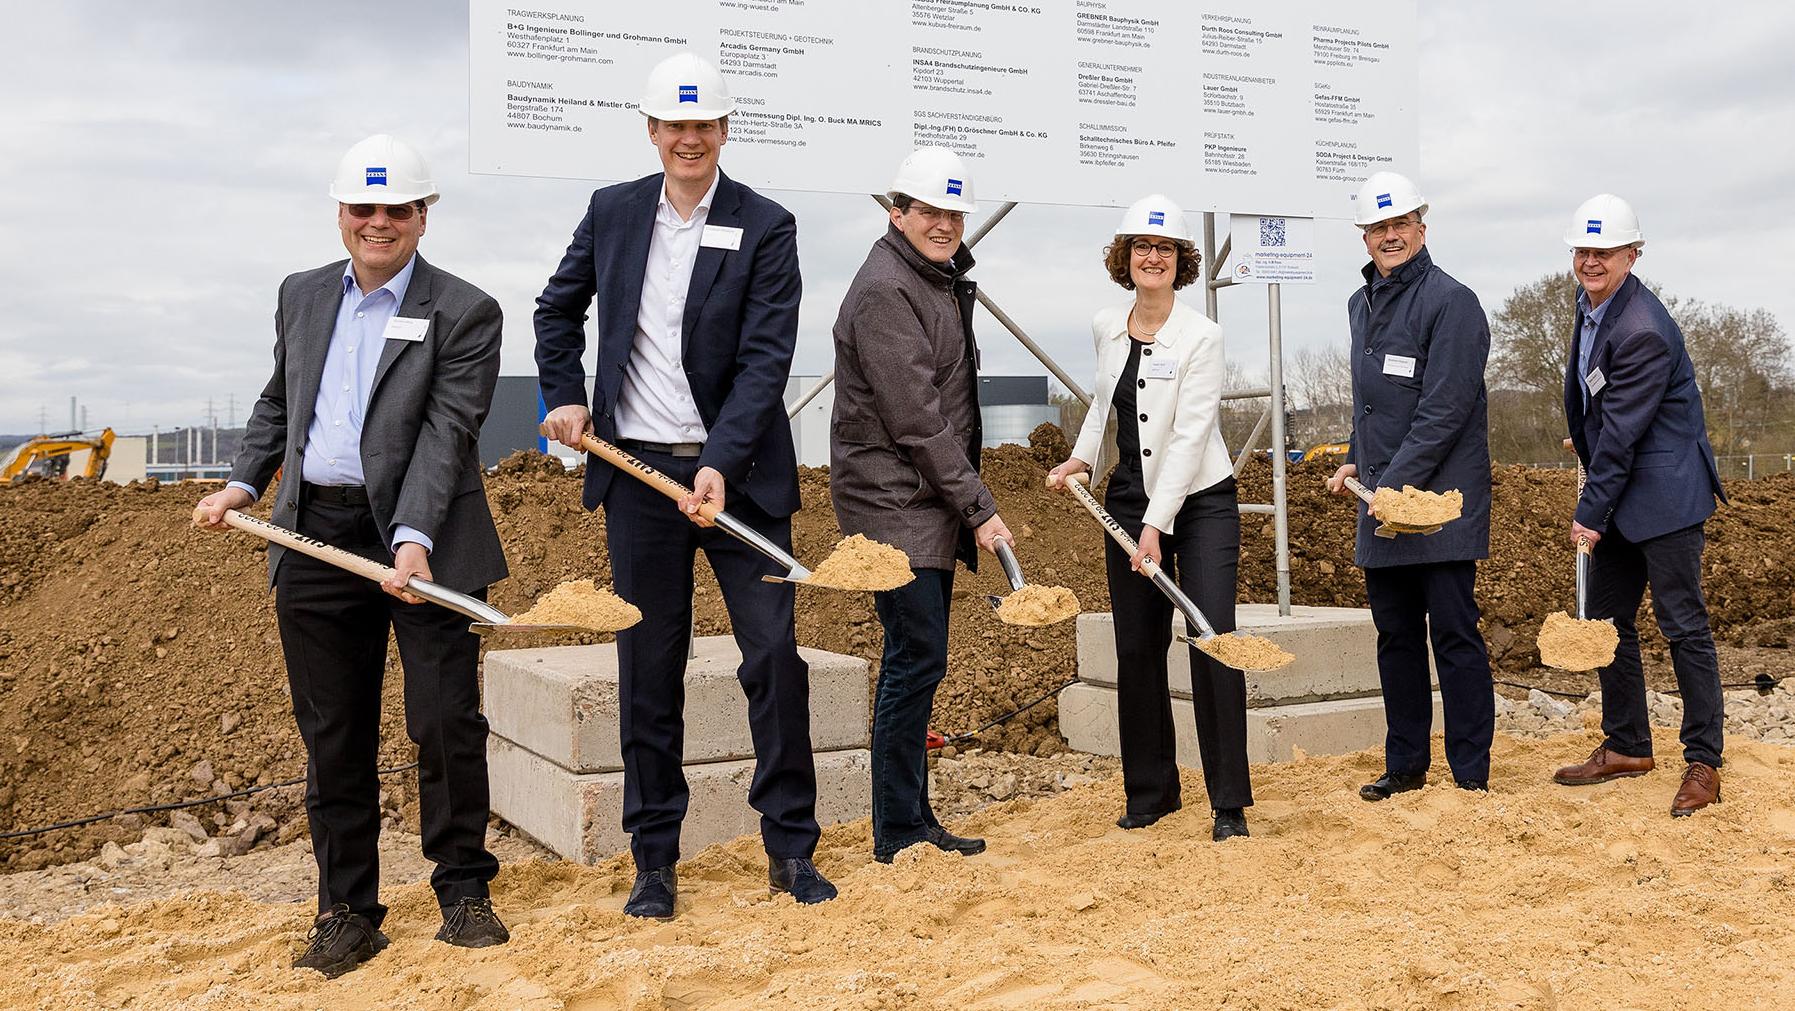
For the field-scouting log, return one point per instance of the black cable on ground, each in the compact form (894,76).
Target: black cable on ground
(1012,714)
(1764,684)
(176,805)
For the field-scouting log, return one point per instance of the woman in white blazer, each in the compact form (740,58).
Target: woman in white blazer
(1160,368)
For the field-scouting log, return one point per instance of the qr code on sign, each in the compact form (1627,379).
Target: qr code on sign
(1271,231)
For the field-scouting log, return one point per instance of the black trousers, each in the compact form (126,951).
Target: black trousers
(1202,555)
(333,630)
(1409,605)
(653,546)
(1672,566)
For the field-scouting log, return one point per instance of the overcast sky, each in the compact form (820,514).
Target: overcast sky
(165,166)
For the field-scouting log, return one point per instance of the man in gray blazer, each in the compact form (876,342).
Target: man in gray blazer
(384,368)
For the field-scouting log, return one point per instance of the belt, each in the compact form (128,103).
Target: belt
(336,494)
(680,450)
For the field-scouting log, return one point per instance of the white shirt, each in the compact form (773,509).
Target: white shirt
(655,403)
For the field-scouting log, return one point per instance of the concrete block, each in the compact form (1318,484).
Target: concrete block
(579,815)
(561,703)
(1335,649)
(1336,727)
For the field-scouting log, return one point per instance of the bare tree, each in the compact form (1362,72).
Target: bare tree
(1321,385)
(1530,336)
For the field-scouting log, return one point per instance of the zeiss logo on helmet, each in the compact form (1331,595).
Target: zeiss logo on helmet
(688,93)
(1594,227)
(1383,200)
(1156,217)
(953,187)
(376,175)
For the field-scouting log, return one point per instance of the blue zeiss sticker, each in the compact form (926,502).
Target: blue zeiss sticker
(953,187)
(1383,200)
(1156,217)
(376,175)
(688,93)
(1594,227)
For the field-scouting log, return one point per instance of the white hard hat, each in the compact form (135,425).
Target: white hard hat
(686,86)
(935,176)
(1155,214)
(383,170)
(1604,221)
(1387,195)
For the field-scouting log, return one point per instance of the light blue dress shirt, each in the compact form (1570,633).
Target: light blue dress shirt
(333,442)
(1592,321)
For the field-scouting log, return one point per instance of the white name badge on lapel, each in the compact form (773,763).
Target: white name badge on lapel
(1162,368)
(1595,380)
(1399,365)
(720,237)
(405,328)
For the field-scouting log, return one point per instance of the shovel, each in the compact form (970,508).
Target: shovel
(1012,571)
(486,617)
(795,571)
(1206,633)
(1386,528)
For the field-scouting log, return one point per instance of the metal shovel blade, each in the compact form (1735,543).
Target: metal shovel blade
(1012,571)
(795,570)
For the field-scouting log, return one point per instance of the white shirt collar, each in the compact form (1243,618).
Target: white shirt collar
(704,205)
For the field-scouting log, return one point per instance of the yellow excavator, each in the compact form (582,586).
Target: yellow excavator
(49,455)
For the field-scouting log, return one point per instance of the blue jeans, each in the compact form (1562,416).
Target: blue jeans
(915,660)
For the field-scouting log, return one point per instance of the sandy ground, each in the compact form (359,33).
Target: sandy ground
(1530,897)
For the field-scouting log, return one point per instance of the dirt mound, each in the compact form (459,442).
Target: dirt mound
(1437,899)
(139,660)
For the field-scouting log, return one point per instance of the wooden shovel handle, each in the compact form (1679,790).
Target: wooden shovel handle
(1076,483)
(641,472)
(307,546)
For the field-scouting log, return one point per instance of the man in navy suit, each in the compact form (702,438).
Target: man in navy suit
(697,281)
(1636,423)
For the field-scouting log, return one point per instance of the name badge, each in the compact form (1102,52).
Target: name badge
(1162,368)
(1595,381)
(720,237)
(405,328)
(1399,365)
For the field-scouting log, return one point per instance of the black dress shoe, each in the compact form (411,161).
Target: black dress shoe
(339,941)
(653,894)
(471,923)
(800,877)
(1229,822)
(1392,783)
(1480,785)
(1130,819)
(946,841)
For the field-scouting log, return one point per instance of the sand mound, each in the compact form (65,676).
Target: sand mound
(1576,645)
(581,603)
(1529,897)
(1246,652)
(1038,605)
(861,563)
(1416,507)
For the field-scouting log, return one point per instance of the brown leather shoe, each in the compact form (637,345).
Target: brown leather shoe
(1602,766)
(1701,787)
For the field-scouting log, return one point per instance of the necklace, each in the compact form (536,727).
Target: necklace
(1143,331)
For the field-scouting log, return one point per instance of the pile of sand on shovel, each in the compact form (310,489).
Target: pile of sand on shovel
(581,602)
(1413,507)
(1576,644)
(860,563)
(1038,605)
(1246,652)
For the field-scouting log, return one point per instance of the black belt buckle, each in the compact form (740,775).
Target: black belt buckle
(337,494)
(677,450)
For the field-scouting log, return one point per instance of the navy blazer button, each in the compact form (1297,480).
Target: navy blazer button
(1367,408)
(1367,350)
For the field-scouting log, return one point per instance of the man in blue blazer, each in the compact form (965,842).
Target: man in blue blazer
(1421,417)
(1636,423)
(697,283)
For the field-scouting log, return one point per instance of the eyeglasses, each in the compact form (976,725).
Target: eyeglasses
(394,212)
(1405,224)
(1143,248)
(935,214)
(1598,255)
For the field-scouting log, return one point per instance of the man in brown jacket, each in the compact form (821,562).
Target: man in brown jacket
(903,462)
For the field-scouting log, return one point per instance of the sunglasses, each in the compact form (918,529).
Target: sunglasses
(394,212)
